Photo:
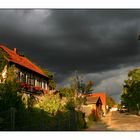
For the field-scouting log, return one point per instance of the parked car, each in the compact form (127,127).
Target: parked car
(122,110)
(113,109)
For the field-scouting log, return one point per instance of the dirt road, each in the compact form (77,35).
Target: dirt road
(115,121)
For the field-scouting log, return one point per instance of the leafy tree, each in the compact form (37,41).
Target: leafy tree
(11,73)
(51,104)
(66,92)
(110,101)
(3,59)
(80,86)
(70,104)
(52,83)
(131,89)
(88,88)
(9,97)
(80,101)
(9,90)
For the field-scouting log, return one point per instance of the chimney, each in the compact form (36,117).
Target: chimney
(15,50)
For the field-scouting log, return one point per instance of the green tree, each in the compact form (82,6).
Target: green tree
(3,59)
(9,90)
(52,83)
(66,92)
(110,101)
(131,89)
(11,73)
(51,104)
(77,83)
(9,96)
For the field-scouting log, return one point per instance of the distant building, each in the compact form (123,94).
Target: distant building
(30,76)
(103,97)
(93,106)
(96,104)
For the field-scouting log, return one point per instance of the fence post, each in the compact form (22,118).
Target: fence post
(12,110)
(42,119)
(69,120)
(76,119)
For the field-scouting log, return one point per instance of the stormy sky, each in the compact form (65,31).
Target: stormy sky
(100,44)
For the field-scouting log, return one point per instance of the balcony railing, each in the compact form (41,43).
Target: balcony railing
(30,88)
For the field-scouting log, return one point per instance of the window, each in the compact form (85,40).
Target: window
(28,78)
(21,76)
(46,85)
(32,80)
(18,75)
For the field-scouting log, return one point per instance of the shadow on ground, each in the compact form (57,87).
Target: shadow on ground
(99,126)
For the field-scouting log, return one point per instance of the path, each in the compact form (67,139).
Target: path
(115,121)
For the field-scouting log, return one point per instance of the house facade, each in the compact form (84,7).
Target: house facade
(93,106)
(30,76)
(103,98)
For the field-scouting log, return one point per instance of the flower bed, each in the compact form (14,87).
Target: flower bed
(28,87)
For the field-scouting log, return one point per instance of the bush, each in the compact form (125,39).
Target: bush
(51,115)
(92,117)
(9,96)
(51,104)
(70,120)
(67,92)
(70,104)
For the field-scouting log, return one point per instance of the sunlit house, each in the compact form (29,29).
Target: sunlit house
(95,105)
(103,98)
(30,76)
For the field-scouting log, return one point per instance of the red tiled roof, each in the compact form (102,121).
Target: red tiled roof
(93,100)
(101,95)
(21,60)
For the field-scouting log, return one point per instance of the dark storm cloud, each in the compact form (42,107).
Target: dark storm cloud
(68,40)
(86,41)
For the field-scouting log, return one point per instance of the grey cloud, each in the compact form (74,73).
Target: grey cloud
(90,41)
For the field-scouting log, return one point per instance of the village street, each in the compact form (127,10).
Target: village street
(115,121)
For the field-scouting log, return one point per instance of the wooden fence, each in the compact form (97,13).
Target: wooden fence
(35,121)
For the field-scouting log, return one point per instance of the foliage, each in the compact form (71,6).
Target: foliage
(9,97)
(3,59)
(52,83)
(11,73)
(131,90)
(80,101)
(110,101)
(88,88)
(66,92)
(40,120)
(51,104)
(92,117)
(51,115)
(70,104)
(80,86)
(119,106)
(75,103)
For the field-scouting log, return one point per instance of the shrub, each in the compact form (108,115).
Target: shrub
(70,120)
(92,117)
(70,104)
(51,104)
(67,92)
(9,96)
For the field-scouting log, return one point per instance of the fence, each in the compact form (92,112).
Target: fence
(39,120)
